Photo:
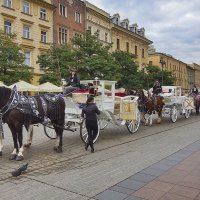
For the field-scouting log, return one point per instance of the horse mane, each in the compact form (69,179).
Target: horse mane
(4,93)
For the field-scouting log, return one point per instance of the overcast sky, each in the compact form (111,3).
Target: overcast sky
(172,25)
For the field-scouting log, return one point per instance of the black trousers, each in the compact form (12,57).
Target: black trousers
(92,129)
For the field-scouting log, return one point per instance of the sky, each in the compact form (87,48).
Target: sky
(172,25)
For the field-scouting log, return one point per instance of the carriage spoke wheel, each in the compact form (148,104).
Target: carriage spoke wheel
(50,131)
(84,133)
(174,114)
(103,123)
(133,125)
(187,114)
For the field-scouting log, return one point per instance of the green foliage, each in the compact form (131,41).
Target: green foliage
(155,73)
(12,68)
(93,59)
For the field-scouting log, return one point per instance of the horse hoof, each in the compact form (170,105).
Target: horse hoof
(1,153)
(19,158)
(12,157)
(59,149)
(27,145)
(55,148)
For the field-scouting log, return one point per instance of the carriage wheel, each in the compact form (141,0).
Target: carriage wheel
(133,125)
(103,123)
(187,114)
(174,114)
(84,133)
(50,131)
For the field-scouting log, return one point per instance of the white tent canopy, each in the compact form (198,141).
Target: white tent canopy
(49,87)
(23,86)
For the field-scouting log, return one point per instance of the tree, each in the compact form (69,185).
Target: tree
(93,57)
(155,73)
(12,68)
(56,63)
(128,74)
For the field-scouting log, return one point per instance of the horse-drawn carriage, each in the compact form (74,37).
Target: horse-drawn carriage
(119,110)
(176,103)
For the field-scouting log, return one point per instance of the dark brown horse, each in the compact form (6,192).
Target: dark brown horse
(17,110)
(197,103)
(149,105)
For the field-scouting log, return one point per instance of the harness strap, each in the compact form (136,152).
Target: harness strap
(1,127)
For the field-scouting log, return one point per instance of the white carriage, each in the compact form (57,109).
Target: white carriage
(114,109)
(176,103)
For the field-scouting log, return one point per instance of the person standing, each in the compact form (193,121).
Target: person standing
(90,112)
(73,82)
(195,90)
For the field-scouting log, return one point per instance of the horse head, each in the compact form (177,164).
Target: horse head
(4,96)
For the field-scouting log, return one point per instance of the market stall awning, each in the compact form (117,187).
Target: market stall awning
(23,86)
(49,87)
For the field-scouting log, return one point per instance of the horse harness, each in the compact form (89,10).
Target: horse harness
(28,105)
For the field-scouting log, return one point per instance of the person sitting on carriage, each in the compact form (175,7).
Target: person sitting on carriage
(73,82)
(157,89)
(195,90)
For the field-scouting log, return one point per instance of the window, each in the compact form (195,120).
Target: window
(89,29)
(7,27)
(98,34)
(136,53)
(117,21)
(26,32)
(126,25)
(78,17)
(63,10)
(44,36)
(106,37)
(26,7)
(150,63)
(142,53)
(43,13)
(62,35)
(8,3)
(127,47)
(118,44)
(27,60)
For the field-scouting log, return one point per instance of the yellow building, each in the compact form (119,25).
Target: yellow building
(167,62)
(98,21)
(196,68)
(129,38)
(32,21)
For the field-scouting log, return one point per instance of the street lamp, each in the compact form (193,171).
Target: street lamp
(162,62)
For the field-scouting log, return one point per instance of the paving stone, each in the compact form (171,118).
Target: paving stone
(161,166)
(110,195)
(131,184)
(122,189)
(169,162)
(143,177)
(134,198)
(152,171)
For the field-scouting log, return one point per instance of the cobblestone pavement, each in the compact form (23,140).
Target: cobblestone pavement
(77,174)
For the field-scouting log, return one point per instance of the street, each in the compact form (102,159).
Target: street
(78,174)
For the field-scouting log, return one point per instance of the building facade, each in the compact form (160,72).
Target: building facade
(32,21)
(98,22)
(129,38)
(177,67)
(68,20)
(196,68)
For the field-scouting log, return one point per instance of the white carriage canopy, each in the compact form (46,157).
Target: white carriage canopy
(23,86)
(49,87)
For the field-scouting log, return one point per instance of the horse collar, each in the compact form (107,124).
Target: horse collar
(11,103)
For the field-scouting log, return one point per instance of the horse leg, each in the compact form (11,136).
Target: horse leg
(59,140)
(146,119)
(29,137)
(1,147)
(159,116)
(14,136)
(20,156)
(150,119)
